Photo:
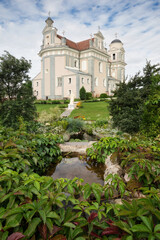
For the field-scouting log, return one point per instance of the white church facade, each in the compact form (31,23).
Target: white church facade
(66,66)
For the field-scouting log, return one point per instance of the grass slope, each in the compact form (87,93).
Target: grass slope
(92,111)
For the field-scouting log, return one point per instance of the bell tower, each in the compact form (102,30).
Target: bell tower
(117,58)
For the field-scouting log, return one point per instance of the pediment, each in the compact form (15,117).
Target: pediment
(99,34)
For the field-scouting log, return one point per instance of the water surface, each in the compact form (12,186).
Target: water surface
(82,168)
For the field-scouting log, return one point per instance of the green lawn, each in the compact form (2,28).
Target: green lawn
(45,107)
(92,111)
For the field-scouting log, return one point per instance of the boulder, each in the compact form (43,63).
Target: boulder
(112,167)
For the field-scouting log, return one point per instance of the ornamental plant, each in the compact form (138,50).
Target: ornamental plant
(82,93)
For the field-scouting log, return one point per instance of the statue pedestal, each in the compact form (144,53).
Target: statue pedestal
(71,106)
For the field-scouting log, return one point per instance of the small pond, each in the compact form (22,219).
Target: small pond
(76,167)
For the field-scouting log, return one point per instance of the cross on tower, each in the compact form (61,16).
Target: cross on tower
(49,13)
(116,34)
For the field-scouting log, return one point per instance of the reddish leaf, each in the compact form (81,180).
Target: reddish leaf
(18,193)
(110,222)
(92,217)
(26,200)
(55,230)
(59,237)
(95,235)
(76,223)
(15,236)
(43,231)
(111,230)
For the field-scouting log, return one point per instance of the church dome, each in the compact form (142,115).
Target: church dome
(116,41)
(49,22)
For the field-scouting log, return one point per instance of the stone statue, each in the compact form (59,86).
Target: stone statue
(72,99)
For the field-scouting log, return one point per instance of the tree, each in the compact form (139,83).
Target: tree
(82,93)
(16,96)
(127,109)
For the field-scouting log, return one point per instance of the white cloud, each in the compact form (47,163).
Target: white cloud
(136,22)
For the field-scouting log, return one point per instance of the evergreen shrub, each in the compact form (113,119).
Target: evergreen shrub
(82,93)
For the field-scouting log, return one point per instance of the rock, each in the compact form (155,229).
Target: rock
(126,177)
(98,135)
(66,137)
(112,168)
(138,195)
(118,201)
(77,147)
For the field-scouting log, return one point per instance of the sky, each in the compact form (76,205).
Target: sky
(136,22)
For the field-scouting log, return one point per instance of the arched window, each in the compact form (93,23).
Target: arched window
(76,63)
(100,67)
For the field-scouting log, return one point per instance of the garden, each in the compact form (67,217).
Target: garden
(34,206)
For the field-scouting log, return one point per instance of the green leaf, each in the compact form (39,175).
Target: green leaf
(157,235)
(70,189)
(53,215)
(32,227)
(87,191)
(157,228)
(80,238)
(43,215)
(13,211)
(151,237)
(49,224)
(140,228)
(97,194)
(76,231)
(129,238)
(68,224)
(5,235)
(13,221)
(37,185)
(147,222)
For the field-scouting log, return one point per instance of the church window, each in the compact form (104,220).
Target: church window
(114,56)
(69,80)
(69,92)
(76,63)
(113,73)
(96,81)
(100,67)
(82,80)
(84,65)
(87,80)
(37,84)
(59,82)
(37,93)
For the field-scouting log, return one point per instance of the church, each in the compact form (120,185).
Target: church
(66,66)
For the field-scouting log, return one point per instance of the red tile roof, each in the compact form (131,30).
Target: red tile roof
(80,46)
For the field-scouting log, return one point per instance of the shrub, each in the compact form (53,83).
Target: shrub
(130,109)
(75,125)
(82,93)
(53,115)
(103,95)
(88,95)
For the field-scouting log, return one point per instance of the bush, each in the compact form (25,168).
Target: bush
(53,115)
(88,95)
(82,93)
(75,125)
(103,95)
(130,109)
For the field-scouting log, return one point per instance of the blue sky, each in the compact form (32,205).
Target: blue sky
(137,23)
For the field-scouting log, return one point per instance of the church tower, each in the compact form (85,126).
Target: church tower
(117,59)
